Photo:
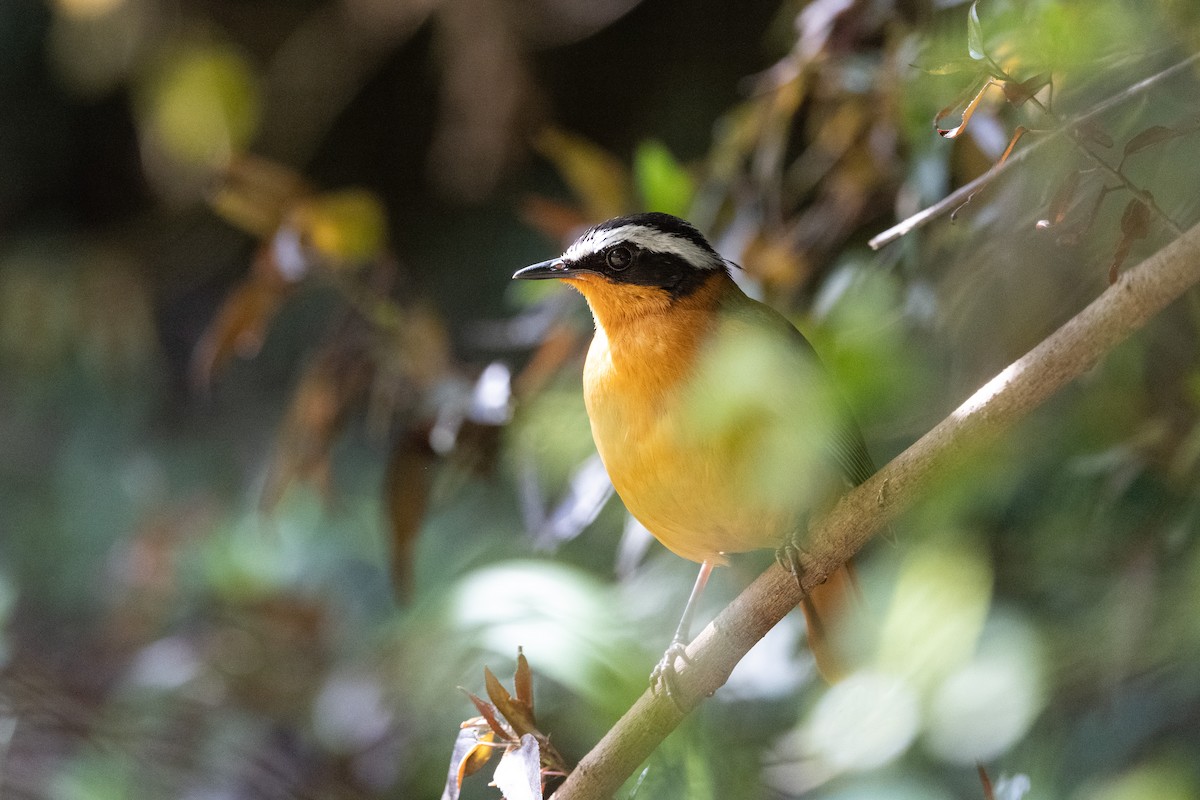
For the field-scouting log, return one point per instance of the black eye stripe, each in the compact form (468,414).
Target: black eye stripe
(652,249)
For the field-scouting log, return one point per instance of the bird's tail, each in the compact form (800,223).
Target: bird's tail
(825,608)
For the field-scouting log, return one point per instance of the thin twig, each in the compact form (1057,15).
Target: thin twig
(956,198)
(1124,307)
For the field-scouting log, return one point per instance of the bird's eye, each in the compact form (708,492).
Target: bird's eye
(618,258)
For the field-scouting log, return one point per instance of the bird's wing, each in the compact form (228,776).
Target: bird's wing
(847,447)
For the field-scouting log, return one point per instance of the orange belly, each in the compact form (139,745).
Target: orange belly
(707,467)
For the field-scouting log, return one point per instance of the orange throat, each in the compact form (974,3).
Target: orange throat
(615,305)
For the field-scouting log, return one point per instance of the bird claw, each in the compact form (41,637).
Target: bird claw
(665,678)
(790,556)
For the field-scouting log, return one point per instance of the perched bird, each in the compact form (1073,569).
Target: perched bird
(714,418)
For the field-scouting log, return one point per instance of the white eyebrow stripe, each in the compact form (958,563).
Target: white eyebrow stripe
(646,238)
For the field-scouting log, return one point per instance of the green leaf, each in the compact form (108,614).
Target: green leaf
(662,182)
(975,34)
(1149,137)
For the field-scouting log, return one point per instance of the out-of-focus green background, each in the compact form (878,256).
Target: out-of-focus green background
(285,459)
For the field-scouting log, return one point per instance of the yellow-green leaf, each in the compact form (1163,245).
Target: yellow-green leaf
(202,104)
(663,183)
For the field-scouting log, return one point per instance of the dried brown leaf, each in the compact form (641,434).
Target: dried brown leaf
(334,382)
(407,484)
(1135,224)
(1135,220)
(516,713)
(488,712)
(1019,93)
(512,719)
(523,682)
(240,326)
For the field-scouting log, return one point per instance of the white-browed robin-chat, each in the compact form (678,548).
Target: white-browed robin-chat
(716,422)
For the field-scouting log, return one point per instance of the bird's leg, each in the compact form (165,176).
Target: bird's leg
(664,677)
(790,552)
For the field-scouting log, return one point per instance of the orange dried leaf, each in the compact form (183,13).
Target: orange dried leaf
(523,681)
(495,689)
(467,757)
(1020,131)
(951,133)
(516,713)
(477,756)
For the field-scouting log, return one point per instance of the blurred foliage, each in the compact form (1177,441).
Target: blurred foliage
(287,460)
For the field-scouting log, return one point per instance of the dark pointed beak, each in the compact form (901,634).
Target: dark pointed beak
(554,268)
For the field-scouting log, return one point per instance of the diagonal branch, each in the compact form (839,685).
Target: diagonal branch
(1123,308)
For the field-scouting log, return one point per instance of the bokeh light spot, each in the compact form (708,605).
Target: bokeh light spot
(864,721)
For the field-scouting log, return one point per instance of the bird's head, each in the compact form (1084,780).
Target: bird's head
(634,265)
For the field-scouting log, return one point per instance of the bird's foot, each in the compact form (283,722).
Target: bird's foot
(665,678)
(790,556)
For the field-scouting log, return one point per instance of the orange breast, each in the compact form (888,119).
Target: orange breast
(692,411)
